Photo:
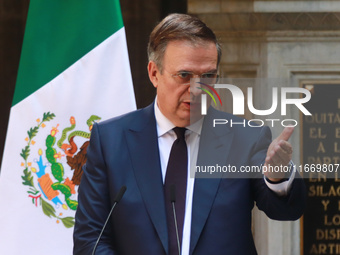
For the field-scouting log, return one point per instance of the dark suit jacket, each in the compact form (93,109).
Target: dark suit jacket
(124,151)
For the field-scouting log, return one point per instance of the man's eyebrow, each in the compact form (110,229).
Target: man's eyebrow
(186,71)
(212,71)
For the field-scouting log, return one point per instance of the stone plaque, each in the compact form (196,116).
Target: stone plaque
(321,159)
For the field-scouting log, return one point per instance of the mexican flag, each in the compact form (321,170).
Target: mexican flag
(74,71)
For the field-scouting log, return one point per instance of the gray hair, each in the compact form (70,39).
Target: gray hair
(179,27)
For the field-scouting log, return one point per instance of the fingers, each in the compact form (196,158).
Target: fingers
(279,154)
(280,151)
(286,134)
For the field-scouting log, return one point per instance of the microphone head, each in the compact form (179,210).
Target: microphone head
(120,194)
(173,193)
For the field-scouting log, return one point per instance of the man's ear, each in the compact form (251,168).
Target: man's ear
(153,72)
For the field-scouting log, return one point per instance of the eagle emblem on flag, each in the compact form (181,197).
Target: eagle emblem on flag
(53,166)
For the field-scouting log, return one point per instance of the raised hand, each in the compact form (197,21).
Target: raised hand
(279,155)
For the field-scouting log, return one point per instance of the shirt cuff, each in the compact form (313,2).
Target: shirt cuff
(282,188)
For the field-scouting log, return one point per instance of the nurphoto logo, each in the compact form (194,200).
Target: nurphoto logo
(280,99)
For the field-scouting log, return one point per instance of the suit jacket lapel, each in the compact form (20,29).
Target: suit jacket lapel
(143,145)
(215,144)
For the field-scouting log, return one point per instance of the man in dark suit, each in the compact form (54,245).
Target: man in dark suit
(135,150)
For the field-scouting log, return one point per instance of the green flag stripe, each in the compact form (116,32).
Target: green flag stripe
(58,33)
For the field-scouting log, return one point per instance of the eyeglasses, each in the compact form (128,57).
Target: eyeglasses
(183,77)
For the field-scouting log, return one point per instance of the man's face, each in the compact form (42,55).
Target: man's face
(174,98)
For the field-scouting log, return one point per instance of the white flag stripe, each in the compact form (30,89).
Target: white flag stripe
(99,83)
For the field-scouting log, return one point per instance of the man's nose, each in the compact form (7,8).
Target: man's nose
(194,89)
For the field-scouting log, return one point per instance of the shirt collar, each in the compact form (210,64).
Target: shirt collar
(164,125)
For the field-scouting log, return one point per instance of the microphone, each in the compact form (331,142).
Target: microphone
(173,200)
(116,201)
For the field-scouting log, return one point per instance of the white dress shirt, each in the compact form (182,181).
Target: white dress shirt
(166,137)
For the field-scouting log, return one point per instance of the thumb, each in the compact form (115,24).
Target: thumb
(286,134)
